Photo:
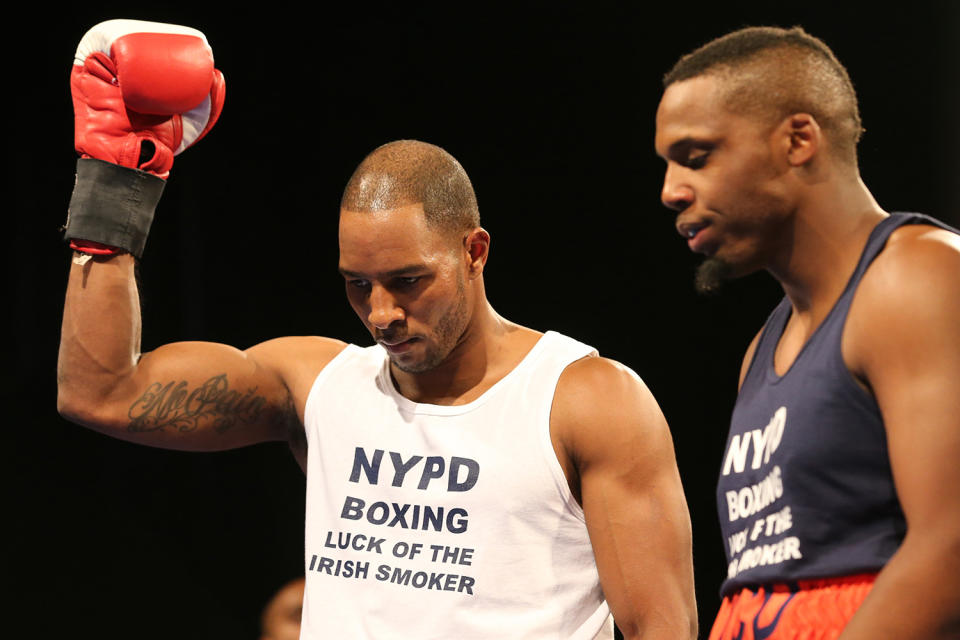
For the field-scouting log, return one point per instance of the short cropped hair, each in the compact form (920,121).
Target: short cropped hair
(408,172)
(772,72)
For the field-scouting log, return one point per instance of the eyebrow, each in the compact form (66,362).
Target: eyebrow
(393,273)
(685,145)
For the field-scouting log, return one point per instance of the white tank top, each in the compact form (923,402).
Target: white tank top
(444,522)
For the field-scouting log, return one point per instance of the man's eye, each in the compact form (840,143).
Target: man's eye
(358,284)
(408,281)
(697,161)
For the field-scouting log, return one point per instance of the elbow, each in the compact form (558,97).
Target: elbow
(638,634)
(70,395)
(89,398)
(679,626)
(71,407)
(690,626)
(81,408)
(68,404)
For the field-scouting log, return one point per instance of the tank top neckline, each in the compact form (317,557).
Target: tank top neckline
(776,329)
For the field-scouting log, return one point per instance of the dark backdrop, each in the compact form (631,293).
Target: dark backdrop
(549,108)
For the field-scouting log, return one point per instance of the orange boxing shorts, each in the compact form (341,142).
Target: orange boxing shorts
(805,610)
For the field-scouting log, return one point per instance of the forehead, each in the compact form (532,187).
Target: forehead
(385,241)
(692,110)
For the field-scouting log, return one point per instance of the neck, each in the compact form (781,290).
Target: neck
(823,243)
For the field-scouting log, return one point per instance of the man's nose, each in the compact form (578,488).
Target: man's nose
(384,309)
(676,193)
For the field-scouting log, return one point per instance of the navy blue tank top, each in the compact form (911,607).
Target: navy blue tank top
(805,487)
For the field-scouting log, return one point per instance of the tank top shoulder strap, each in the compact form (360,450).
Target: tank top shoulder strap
(875,244)
(767,344)
(773,328)
(878,240)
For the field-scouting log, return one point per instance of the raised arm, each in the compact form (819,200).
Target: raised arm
(189,395)
(903,341)
(143,92)
(615,447)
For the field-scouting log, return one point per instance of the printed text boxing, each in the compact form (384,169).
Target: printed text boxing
(406,516)
(749,500)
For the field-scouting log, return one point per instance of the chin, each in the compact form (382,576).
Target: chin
(410,367)
(711,274)
(721,267)
(425,362)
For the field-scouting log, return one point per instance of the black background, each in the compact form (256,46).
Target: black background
(550,109)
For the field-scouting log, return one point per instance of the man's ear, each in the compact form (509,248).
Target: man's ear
(802,137)
(476,245)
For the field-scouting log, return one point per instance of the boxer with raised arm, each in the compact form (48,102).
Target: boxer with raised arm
(466,477)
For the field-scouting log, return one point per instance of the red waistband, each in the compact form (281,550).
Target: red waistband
(792,610)
(817,583)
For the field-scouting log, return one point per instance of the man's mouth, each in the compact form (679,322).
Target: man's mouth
(396,345)
(689,230)
(696,234)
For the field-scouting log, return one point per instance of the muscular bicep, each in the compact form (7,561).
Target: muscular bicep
(185,395)
(189,395)
(632,498)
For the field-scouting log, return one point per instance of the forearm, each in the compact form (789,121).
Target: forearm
(188,395)
(669,623)
(100,335)
(654,599)
(917,595)
(118,75)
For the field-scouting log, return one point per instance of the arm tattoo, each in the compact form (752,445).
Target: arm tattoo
(177,407)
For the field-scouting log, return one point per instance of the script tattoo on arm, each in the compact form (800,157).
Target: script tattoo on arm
(175,406)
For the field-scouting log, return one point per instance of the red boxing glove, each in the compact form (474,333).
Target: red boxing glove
(143,92)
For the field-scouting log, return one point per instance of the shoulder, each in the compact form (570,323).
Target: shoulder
(911,292)
(596,377)
(916,253)
(918,249)
(281,353)
(601,396)
(917,270)
(296,359)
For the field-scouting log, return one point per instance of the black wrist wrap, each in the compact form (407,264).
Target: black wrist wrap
(112,205)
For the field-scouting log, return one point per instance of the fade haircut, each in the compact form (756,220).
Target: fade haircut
(770,72)
(408,172)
